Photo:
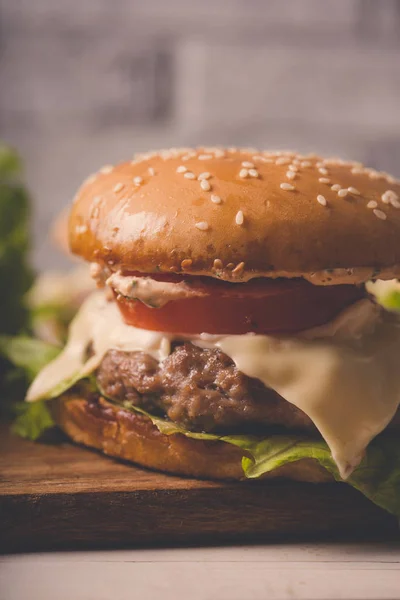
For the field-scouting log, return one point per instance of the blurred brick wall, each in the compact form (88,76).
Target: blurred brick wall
(83,82)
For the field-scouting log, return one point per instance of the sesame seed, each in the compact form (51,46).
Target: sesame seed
(204,156)
(95,212)
(388,196)
(96,200)
(372,204)
(336,187)
(323,171)
(305,163)
(186,263)
(243,173)
(204,184)
(204,175)
(118,187)
(353,191)
(395,203)
(380,214)
(373,174)
(202,225)
(189,175)
(239,218)
(137,180)
(217,264)
(151,171)
(247,164)
(253,172)
(219,153)
(321,200)
(283,160)
(290,174)
(215,199)
(230,266)
(293,168)
(81,229)
(257,157)
(106,169)
(286,186)
(181,169)
(238,269)
(343,193)
(324,180)
(357,171)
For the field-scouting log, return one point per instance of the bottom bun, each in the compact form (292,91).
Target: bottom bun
(133,437)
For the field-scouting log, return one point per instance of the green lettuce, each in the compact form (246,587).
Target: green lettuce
(25,358)
(386,293)
(377,477)
(15,273)
(10,163)
(28,354)
(33,420)
(391,301)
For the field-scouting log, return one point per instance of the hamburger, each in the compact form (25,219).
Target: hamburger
(232,335)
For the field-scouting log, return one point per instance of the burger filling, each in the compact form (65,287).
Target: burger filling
(278,367)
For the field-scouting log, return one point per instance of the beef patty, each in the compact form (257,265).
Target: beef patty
(198,388)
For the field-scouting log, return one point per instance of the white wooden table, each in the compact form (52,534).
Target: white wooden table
(274,572)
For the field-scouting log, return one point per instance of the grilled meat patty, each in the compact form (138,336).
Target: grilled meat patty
(197,388)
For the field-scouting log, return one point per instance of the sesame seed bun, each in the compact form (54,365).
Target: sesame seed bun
(133,437)
(238,214)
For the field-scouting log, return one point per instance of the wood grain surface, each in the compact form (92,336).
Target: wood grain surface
(57,495)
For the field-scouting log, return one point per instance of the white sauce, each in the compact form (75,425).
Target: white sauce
(350,388)
(151,292)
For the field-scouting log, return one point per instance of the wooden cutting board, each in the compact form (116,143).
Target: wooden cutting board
(59,495)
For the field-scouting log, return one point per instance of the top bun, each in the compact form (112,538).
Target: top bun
(240,213)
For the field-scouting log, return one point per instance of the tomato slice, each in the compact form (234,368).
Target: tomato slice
(262,306)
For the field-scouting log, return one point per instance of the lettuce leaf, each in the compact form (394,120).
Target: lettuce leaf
(392,301)
(15,273)
(10,163)
(34,419)
(377,477)
(26,353)
(387,293)
(25,357)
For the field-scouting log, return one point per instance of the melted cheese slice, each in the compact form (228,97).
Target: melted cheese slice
(349,388)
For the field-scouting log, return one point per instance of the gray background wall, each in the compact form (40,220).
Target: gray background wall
(84,82)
